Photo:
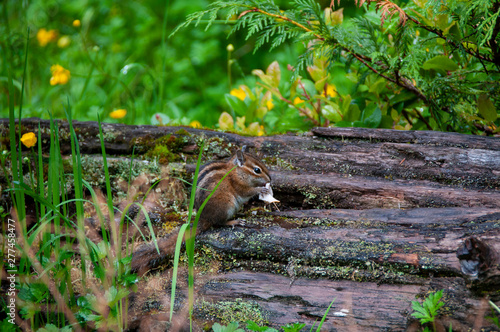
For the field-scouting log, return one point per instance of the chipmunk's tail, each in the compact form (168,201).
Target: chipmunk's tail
(146,257)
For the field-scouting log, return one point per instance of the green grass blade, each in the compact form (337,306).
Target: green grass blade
(177,253)
(131,164)
(108,182)
(78,187)
(180,237)
(191,240)
(114,232)
(150,225)
(40,169)
(324,317)
(50,206)
(54,173)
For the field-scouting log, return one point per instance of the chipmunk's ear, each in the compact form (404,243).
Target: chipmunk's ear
(240,158)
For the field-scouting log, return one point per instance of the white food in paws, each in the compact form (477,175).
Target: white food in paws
(266,194)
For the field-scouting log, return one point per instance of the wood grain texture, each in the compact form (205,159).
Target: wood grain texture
(372,218)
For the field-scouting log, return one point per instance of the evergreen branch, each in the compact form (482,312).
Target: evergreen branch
(400,81)
(452,43)
(496,30)
(282,17)
(389,9)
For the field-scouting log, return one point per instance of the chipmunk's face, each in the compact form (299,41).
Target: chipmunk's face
(251,169)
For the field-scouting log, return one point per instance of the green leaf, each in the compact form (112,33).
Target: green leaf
(231,327)
(320,84)
(295,327)
(344,124)
(308,85)
(346,103)
(440,62)
(332,112)
(486,108)
(353,113)
(373,119)
(378,86)
(266,79)
(274,72)
(236,104)
(53,328)
(253,326)
(334,17)
(386,122)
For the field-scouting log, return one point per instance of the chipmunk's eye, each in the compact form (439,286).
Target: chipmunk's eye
(257,170)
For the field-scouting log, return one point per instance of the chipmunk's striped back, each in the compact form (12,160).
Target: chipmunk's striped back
(249,178)
(246,180)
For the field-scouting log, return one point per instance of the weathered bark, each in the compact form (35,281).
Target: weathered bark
(395,246)
(366,306)
(373,263)
(358,192)
(447,158)
(389,215)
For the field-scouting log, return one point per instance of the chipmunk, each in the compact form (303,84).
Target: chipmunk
(249,178)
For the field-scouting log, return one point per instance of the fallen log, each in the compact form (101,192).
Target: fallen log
(370,217)
(366,306)
(455,159)
(384,245)
(306,190)
(289,266)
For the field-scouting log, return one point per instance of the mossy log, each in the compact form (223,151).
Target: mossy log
(289,266)
(446,158)
(372,218)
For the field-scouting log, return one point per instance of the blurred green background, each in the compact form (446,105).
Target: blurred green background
(120,57)
(116,59)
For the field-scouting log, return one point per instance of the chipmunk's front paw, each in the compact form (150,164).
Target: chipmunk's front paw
(266,194)
(238,222)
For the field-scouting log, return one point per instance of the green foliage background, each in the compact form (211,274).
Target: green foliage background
(401,65)
(121,58)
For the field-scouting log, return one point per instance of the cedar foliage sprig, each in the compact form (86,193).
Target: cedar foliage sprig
(457,79)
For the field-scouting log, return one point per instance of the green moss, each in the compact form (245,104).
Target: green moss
(232,311)
(162,154)
(215,147)
(166,148)
(280,163)
(108,136)
(119,169)
(182,131)
(316,197)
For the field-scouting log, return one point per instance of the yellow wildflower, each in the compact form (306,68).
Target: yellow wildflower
(64,42)
(238,93)
(45,36)
(195,124)
(330,91)
(261,131)
(77,23)
(298,101)
(28,139)
(60,75)
(230,48)
(269,104)
(118,114)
